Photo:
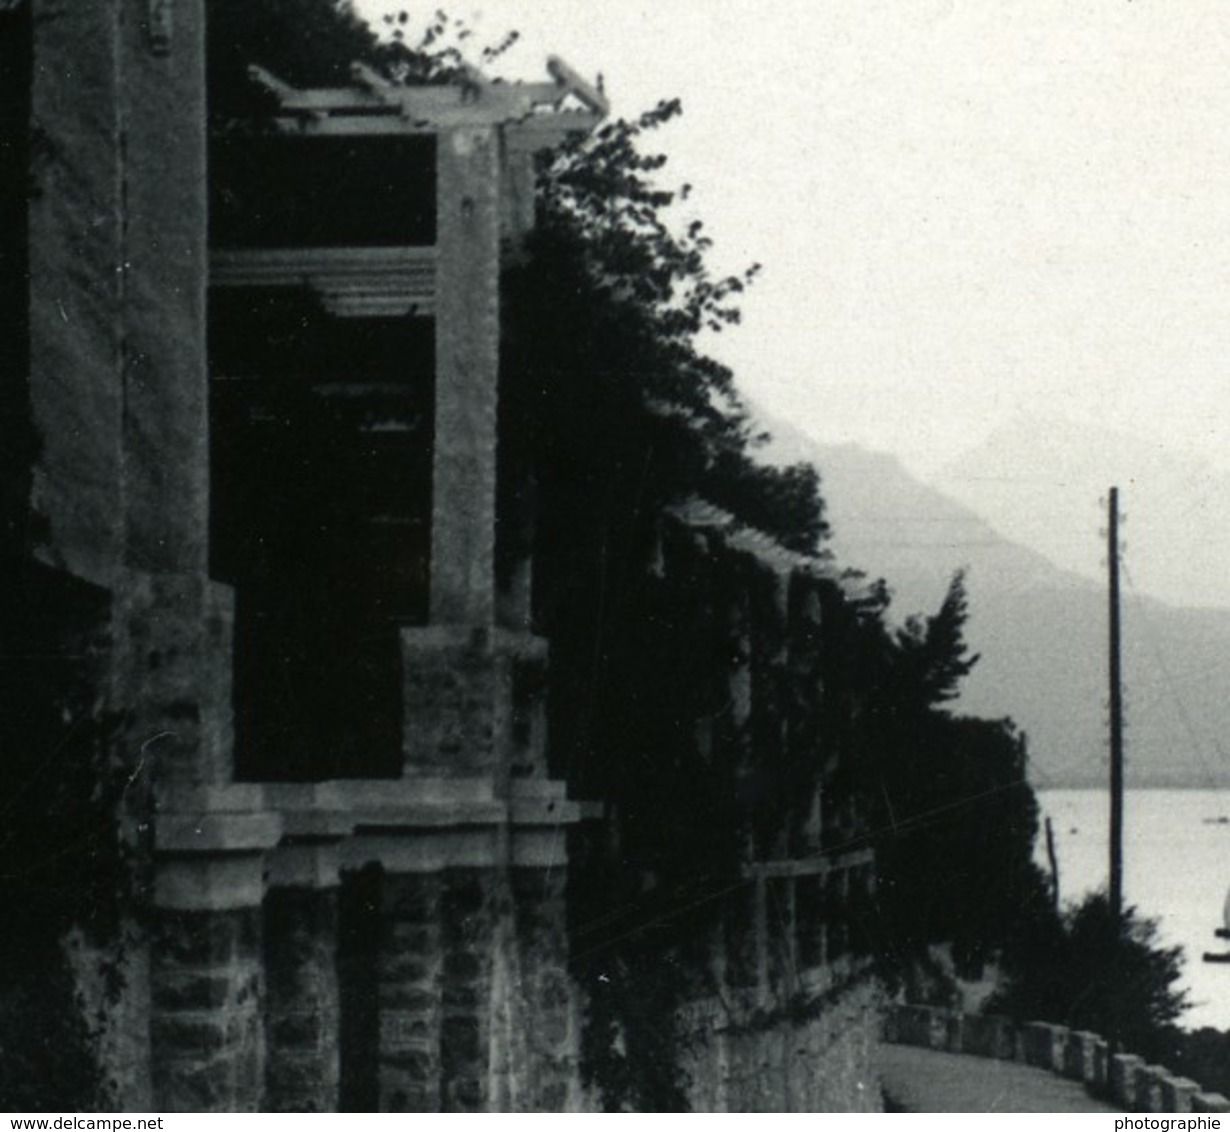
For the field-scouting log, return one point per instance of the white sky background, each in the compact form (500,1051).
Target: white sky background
(967,210)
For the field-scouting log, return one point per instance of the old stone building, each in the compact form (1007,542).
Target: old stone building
(262,371)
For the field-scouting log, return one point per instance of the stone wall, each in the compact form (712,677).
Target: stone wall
(305,946)
(1121,1078)
(813,1056)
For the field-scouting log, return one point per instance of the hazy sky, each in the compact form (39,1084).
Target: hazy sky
(966,211)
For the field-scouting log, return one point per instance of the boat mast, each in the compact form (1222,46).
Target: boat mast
(1116,717)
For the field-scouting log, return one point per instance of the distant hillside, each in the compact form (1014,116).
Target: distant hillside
(1041,630)
(1039,478)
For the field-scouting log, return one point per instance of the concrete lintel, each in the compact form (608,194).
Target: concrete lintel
(440,816)
(544,812)
(553,789)
(426,852)
(212,833)
(539,848)
(429,640)
(307,865)
(404,792)
(236,797)
(213,884)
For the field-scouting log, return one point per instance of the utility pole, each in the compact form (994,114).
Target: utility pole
(1116,717)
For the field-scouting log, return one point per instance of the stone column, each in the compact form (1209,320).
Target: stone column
(467,364)
(547,1024)
(468,923)
(164,276)
(782,932)
(457,691)
(810,910)
(410,972)
(205,971)
(205,1028)
(301,1005)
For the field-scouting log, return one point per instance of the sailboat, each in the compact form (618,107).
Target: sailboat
(1222,933)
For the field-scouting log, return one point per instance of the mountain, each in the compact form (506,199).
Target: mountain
(1039,478)
(1040,629)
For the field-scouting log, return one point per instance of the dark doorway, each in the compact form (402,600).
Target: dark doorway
(321,500)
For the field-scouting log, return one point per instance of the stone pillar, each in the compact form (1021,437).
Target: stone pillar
(410,993)
(547,1024)
(780,924)
(1123,1071)
(467,360)
(457,691)
(205,1029)
(1080,1057)
(173,676)
(164,276)
(301,1006)
(1149,1080)
(206,1035)
(837,905)
(465,1024)
(1045,1045)
(75,234)
(1178,1094)
(810,912)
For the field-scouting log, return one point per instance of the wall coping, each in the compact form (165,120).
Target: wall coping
(1077,1055)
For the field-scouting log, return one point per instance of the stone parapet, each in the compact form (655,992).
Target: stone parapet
(988,1035)
(1122,1078)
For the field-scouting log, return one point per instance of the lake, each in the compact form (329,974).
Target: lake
(1176,850)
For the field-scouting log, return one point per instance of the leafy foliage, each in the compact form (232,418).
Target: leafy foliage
(1090,972)
(64,864)
(951,813)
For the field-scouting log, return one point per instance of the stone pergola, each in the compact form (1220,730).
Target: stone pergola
(457,821)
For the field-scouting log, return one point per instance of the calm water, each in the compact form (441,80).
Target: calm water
(1176,870)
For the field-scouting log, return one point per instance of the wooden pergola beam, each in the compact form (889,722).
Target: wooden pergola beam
(377,105)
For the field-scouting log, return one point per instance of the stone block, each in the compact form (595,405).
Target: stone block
(204,938)
(1210,1102)
(456,693)
(1123,1073)
(193,990)
(1177,1094)
(912,1025)
(1080,1056)
(1045,1045)
(1100,1082)
(1149,1088)
(987,1035)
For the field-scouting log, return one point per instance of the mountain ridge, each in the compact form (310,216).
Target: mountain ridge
(1039,628)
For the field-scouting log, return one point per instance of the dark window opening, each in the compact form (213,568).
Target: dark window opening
(271,191)
(321,452)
